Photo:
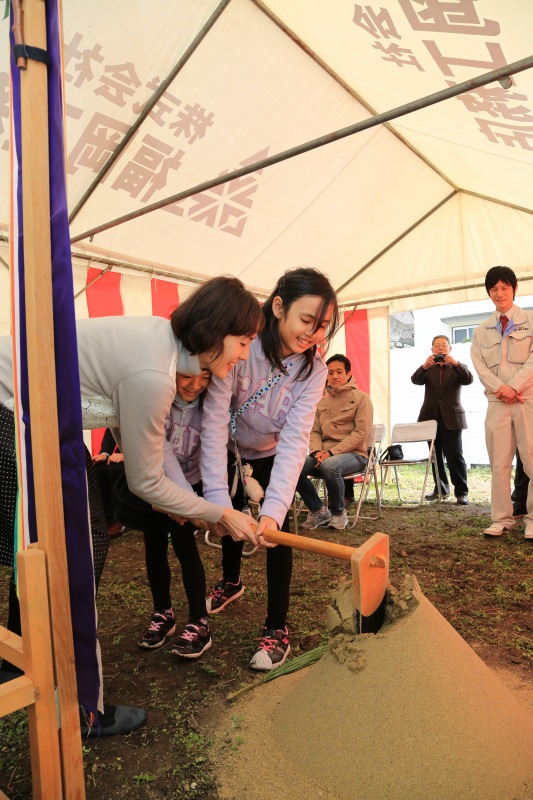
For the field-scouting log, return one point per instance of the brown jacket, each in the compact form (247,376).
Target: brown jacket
(343,420)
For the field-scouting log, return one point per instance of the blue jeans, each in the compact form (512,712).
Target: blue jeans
(331,471)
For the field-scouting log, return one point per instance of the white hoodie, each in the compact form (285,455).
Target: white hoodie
(277,423)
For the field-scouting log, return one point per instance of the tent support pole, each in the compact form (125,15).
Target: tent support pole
(371,302)
(371,122)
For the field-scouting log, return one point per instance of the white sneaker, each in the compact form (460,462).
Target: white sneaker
(317,519)
(338,521)
(272,651)
(496,529)
(528,533)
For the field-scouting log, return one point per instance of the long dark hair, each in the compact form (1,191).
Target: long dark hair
(220,307)
(292,285)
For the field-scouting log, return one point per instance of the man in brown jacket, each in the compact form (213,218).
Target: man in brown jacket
(337,446)
(443,378)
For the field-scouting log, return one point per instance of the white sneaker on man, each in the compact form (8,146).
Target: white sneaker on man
(338,521)
(528,533)
(317,519)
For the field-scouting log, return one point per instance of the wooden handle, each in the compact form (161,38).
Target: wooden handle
(310,545)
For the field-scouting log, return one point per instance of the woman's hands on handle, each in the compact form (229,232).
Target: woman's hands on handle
(243,527)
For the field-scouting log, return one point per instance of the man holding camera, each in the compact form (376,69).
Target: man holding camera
(443,378)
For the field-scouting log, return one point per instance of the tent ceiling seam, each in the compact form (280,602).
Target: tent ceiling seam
(489,199)
(305,208)
(396,240)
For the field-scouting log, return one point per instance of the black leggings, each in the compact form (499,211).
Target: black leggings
(279,559)
(139,515)
(192,568)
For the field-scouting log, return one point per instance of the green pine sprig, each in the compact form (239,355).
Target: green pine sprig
(304,660)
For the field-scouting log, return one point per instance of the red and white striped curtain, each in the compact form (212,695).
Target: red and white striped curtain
(364,338)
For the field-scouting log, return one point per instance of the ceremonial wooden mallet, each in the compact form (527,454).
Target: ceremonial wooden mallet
(370,565)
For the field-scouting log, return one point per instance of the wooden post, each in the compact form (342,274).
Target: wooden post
(41,367)
(43,720)
(34,690)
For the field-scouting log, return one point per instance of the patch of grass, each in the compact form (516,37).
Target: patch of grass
(143,777)
(525,645)
(14,744)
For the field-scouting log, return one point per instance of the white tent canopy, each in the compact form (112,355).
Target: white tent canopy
(405,215)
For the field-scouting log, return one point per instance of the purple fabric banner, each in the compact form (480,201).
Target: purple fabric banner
(73,475)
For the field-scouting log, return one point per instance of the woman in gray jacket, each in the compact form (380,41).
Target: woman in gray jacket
(128,368)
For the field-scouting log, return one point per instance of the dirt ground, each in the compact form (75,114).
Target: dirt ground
(484,588)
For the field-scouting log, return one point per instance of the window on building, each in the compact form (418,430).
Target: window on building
(463,334)
(402,329)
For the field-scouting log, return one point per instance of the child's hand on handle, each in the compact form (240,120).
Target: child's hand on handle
(266,522)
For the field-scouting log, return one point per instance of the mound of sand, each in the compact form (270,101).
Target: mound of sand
(410,713)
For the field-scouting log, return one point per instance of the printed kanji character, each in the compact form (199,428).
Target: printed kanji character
(159,178)
(193,122)
(82,59)
(121,81)
(97,142)
(224,207)
(164,108)
(377,23)
(175,208)
(508,135)
(443,62)
(149,166)
(443,16)
(496,102)
(74,112)
(398,55)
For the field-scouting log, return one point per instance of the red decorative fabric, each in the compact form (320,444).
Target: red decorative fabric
(103,296)
(358,346)
(165,297)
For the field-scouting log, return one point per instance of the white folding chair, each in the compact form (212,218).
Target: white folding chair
(375,440)
(412,436)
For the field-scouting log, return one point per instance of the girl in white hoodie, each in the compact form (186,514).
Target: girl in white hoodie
(271,400)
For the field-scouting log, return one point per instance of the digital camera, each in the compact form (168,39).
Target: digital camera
(439,357)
